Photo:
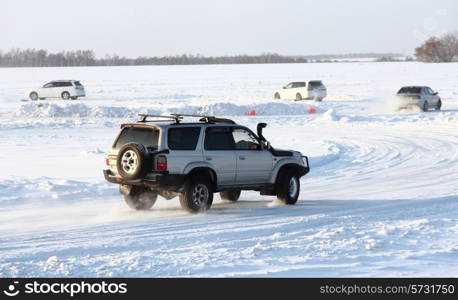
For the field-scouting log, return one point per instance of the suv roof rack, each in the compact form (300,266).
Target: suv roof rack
(177,118)
(206,119)
(144,118)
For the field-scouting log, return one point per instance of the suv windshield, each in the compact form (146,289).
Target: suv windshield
(410,90)
(147,137)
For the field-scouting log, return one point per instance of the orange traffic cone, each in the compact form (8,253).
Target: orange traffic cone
(311,110)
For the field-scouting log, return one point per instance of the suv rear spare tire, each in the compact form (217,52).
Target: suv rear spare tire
(132,161)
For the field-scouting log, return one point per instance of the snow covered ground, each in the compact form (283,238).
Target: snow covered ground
(381,198)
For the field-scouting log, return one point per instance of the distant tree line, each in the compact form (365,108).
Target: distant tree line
(347,56)
(43,58)
(439,49)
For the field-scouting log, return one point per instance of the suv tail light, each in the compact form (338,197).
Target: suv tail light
(161,163)
(107,161)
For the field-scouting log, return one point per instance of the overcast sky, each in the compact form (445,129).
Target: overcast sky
(219,27)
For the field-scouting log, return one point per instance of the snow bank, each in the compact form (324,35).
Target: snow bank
(79,110)
(43,189)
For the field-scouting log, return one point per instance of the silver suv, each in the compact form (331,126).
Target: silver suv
(422,96)
(168,157)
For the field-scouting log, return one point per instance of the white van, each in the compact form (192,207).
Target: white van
(65,89)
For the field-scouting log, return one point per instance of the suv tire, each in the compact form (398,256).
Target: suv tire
(132,161)
(425,106)
(298,97)
(140,198)
(232,195)
(65,95)
(277,96)
(288,187)
(197,195)
(438,105)
(33,96)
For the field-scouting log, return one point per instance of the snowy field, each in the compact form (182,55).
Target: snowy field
(381,198)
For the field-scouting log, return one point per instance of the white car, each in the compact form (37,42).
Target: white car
(302,90)
(65,89)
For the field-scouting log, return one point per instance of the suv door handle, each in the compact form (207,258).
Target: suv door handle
(208,158)
(241,157)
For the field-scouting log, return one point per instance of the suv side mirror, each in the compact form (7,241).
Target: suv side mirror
(435,93)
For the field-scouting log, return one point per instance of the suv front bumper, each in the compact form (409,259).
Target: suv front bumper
(155,180)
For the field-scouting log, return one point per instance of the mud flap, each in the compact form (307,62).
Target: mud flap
(125,189)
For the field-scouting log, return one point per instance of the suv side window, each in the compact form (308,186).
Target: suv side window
(245,140)
(298,84)
(289,85)
(49,85)
(219,138)
(184,138)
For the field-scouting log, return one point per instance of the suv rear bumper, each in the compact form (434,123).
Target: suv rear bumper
(158,180)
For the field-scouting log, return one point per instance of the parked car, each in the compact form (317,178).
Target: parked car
(65,89)
(422,96)
(302,90)
(194,160)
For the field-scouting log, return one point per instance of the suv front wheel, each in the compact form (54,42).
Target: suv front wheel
(288,187)
(140,198)
(197,195)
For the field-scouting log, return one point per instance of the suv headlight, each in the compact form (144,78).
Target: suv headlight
(304,160)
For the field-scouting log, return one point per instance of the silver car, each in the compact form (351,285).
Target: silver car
(168,157)
(422,96)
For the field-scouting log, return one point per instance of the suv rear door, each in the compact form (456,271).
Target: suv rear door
(254,163)
(219,152)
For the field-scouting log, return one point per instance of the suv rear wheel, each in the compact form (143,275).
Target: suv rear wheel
(140,198)
(197,195)
(33,96)
(232,195)
(277,96)
(65,95)
(298,97)
(288,187)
